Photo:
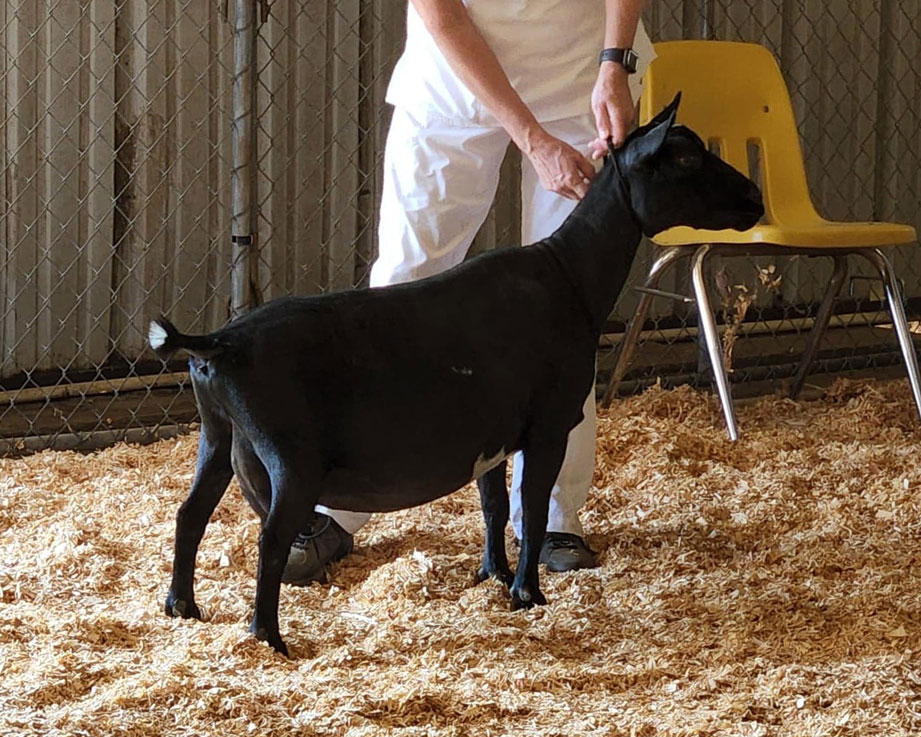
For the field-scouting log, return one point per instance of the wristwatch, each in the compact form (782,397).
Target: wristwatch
(627,58)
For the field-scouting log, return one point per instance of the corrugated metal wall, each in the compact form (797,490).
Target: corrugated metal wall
(115,170)
(322,72)
(58,175)
(117,151)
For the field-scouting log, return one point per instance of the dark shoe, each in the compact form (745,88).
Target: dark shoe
(323,542)
(563,551)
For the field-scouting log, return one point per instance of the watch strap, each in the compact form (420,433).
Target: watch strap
(627,58)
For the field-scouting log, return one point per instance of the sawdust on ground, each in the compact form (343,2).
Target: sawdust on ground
(767,587)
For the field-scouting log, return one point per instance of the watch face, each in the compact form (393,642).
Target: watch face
(630,59)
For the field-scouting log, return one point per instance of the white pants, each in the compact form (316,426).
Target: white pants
(439,184)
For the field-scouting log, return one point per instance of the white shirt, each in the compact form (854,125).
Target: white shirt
(547,48)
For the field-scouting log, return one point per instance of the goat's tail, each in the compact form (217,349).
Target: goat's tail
(165,340)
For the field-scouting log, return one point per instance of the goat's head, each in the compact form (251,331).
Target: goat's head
(673,179)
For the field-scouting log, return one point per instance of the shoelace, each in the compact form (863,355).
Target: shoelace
(302,539)
(558,543)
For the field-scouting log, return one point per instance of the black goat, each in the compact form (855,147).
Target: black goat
(381,399)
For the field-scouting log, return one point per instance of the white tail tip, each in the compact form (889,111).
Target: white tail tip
(156,335)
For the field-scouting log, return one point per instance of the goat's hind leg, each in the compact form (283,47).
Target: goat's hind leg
(251,474)
(212,475)
(294,494)
(494,501)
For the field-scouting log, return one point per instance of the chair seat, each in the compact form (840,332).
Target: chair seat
(818,234)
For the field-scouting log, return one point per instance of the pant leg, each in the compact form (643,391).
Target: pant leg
(351,522)
(438,186)
(542,212)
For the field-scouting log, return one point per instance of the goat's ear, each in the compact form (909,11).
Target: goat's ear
(668,112)
(654,133)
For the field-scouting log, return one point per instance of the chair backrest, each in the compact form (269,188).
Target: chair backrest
(735,95)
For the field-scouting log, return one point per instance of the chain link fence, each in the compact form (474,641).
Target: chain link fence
(193,158)
(116,171)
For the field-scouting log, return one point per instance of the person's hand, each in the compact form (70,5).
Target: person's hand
(613,107)
(560,167)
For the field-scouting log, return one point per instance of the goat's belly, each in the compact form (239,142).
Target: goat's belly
(357,492)
(375,484)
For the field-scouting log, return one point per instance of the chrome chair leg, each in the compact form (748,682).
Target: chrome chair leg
(821,323)
(897,310)
(714,349)
(635,326)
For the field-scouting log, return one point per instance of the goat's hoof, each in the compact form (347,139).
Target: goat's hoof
(504,575)
(182,608)
(274,639)
(526,599)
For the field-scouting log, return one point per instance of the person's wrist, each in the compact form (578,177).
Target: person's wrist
(529,137)
(624,57)
(612,70)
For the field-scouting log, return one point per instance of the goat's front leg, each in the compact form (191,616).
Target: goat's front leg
(291,510)
(494,501)
(212,475)
(542,462)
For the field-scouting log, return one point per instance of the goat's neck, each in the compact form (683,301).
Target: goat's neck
(596,244)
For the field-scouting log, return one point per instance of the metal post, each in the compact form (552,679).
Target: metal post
(706,20)
(708,328)
(632,334)
(241,227)
(896,309)
(821,323)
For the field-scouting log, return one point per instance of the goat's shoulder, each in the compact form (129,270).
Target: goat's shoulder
(522,269)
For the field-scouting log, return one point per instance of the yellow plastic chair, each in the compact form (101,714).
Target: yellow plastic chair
(734,94)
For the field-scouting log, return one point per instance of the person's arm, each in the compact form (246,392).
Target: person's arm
(559,166)
(612,103)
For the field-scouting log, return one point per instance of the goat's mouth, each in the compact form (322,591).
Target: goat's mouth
(746,216)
